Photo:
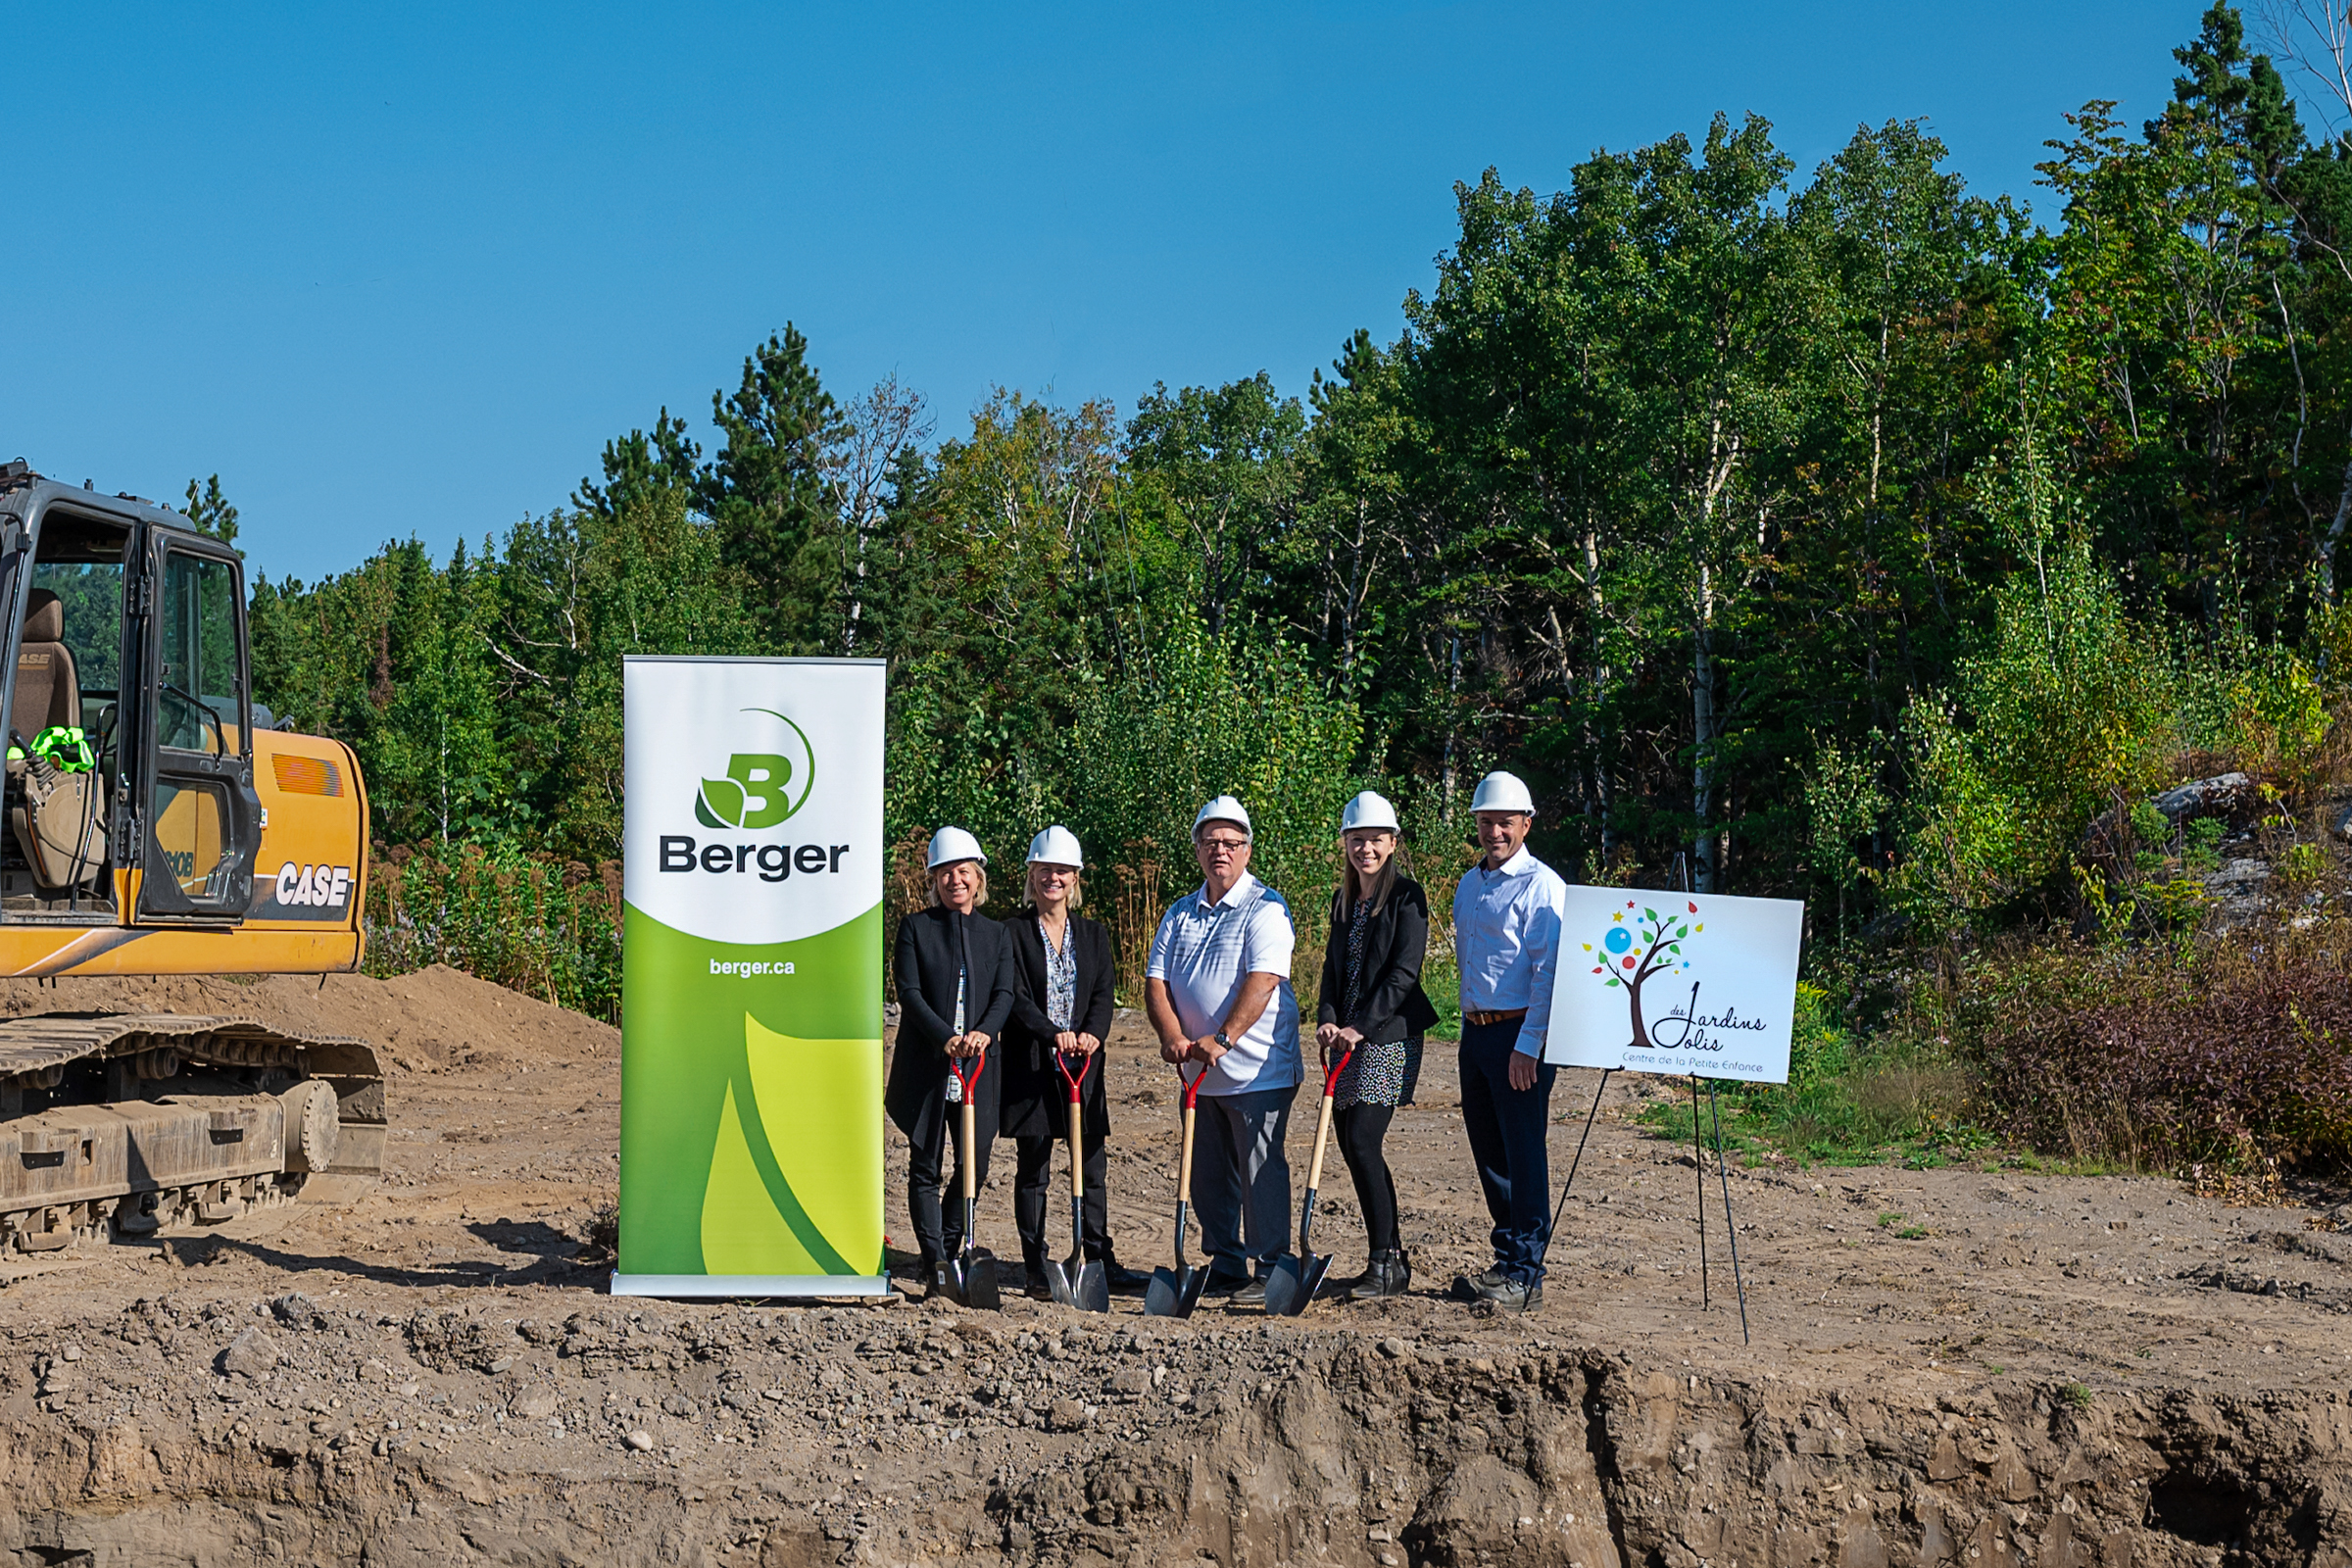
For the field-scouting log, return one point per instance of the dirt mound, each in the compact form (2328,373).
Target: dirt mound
(432,1021)
(1949,1366)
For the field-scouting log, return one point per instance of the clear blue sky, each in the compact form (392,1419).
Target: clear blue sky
(403,270)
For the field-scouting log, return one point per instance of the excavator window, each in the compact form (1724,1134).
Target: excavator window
(68,661)
(197,702)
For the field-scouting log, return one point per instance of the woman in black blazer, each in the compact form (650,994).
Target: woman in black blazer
(955,984)
(1372,1001)
(1073,1016)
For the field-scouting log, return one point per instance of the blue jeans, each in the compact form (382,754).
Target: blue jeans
(1510,1133)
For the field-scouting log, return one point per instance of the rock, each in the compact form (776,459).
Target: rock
(679,1405)
(1065,1415)
(534,1403)
(1131,1380)
(250,1354)
(641,1440)
(72,1352)
(2204,797)
(297,1311)
(1393,1349)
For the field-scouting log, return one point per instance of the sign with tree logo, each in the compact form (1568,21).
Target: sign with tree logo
(750,1108)
(1676,983)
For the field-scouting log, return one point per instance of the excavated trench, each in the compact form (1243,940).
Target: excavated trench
(796,1438)
(1955,1366)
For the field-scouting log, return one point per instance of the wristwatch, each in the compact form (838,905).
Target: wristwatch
(1223,1044)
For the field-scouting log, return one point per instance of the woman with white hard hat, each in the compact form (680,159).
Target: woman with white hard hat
(1060,1005)
(955,972)
(1374,1011)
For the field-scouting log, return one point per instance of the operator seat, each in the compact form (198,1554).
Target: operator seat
(62,827)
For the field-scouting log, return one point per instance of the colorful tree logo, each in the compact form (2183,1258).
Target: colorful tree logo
(1632,950)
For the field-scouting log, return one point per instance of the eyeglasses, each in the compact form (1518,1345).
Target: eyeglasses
(1224,845)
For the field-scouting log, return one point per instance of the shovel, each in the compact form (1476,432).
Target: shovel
(970,1278)
(1296,1279)
(1076,1283)
(1175,1292)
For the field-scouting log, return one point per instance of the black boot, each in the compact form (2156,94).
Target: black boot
(1387,1273)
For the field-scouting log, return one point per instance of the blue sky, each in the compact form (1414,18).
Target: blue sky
(404,269)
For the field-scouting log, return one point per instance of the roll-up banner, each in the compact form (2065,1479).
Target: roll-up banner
(751,1079)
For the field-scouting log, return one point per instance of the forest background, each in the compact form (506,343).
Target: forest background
(1850,537)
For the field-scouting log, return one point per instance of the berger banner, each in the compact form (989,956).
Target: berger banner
(750,1077)
(1676,983)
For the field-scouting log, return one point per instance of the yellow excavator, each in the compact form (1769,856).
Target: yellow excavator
(157,823)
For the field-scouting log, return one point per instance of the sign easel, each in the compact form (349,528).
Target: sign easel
(1740,959)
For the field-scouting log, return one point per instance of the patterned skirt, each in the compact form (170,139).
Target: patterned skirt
(1381,1074)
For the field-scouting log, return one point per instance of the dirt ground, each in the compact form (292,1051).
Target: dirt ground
(1943,1365)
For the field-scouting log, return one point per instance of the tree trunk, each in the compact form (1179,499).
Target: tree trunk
(1703,851)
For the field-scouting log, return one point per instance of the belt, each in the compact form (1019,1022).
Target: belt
(1508,1015)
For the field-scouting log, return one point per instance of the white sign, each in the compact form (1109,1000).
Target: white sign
(1676,983)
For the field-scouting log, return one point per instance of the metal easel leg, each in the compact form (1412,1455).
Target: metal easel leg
(1699,1158)
(1557,1207)
(1715,1109)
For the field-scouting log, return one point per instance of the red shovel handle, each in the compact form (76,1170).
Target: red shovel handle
(1191,1086)
(1331,1080)
(1062,1065)
(979,1062)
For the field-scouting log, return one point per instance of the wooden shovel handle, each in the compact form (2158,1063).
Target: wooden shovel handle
(1184,1161)
(963,1156)
(1331,1086)
(1314,1171)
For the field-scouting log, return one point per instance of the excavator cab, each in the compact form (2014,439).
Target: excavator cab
(148,801)
(151,816)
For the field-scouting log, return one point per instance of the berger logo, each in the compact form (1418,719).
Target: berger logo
(762,787)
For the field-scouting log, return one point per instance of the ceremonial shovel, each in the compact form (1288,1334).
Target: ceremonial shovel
(1077,1283)
(1296,1279)
(1175,1292)
(970,1279)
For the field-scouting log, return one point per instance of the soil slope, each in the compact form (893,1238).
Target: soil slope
(1945,1366)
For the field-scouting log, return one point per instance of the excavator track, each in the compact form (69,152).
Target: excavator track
(118,1126)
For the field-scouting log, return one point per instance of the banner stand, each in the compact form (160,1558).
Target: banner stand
(751,1287)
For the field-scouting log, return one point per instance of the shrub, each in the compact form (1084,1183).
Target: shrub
(545,927)
(2236,1052)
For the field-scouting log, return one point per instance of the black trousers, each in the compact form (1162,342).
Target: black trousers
(1034,1197)
(1508,1129)
(1361,1130)
(941,1234)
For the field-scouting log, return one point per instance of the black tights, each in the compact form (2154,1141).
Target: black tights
(1361,1129)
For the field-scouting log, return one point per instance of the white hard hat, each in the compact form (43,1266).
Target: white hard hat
(1502,792)
(1224,809)
(951,843)
(1057,845)
(1369,809)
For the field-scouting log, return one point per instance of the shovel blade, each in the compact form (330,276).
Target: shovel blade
(1292,1284)
(1090,1288)
(946,1278)
(1060,1284)
(1173,1291)
(980,1291)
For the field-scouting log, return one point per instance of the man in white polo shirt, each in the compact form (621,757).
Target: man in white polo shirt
(1217,987)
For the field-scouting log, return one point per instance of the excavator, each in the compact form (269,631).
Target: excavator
(157,822)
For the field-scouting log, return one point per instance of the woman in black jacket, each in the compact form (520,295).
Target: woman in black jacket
(955,983)
(1062,1002)
(1372,1001)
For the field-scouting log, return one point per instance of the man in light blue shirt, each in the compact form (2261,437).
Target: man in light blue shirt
(1507,938)
(1217,989)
